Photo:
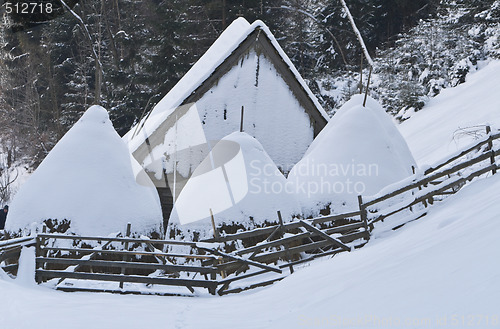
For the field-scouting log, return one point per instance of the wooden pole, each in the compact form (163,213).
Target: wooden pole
(216,233)
(287,252)
(129,226)
(242,114)
(367,86)
(216,236)
(37,254)
(43,240)
(364,216)
(490,148)
(361,75)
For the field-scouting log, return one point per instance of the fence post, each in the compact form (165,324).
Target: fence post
(490,148)
(43,241)
(287,252)
(216,233)
(364,216)
(126,249)
(242,116)
(419,188)
(216,236)
(37,254)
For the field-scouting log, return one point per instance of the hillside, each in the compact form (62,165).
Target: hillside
(456,117)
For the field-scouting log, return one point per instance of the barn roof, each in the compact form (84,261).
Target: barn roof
(218,59)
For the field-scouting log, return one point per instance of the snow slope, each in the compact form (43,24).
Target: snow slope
(440,268)
(437,130)
(90,179)
(359,152)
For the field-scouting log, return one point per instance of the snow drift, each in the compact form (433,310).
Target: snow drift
(239,183)
(89,179)
(359,152)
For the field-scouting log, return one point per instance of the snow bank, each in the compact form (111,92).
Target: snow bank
(240,183)
(359,152)
(456,117)
(90,179)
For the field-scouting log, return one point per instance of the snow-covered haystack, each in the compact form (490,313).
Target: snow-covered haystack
(359,152)
(239,183)
(89,181)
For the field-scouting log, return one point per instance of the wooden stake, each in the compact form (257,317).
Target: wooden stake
(241,123)
(367,85)
(364,216)
(126,248)
(287,252)
(216,233)
(361,75)
(490,148)
(216,236)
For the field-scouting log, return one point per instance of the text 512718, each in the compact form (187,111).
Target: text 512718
(28,7)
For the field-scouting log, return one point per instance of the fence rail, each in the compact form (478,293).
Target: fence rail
(277,248)
(10,251)
(444,178)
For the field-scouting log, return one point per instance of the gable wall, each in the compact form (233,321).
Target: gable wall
(272,114)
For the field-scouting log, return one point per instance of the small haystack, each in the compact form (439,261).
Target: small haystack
(88,185)
(239,183)
(359,152)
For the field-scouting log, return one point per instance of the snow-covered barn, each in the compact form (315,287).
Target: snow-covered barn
(244,80)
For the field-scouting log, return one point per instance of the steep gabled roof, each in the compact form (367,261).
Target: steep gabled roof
(219,59)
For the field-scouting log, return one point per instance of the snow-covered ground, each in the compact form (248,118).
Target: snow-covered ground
(441,271)
(453,119)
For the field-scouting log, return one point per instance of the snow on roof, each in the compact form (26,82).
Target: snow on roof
(239,182)
(90,179)
(222,48)
(359,152)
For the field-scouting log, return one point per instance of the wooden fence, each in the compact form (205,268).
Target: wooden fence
(129,260)
(444,178)
(232,263)
(10,251)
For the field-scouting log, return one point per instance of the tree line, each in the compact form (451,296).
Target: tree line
(126,54)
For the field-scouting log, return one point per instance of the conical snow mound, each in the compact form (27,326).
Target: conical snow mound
(359,152)
(239,183)
(90,180)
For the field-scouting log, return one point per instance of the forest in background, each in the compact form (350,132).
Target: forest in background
(135,52)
